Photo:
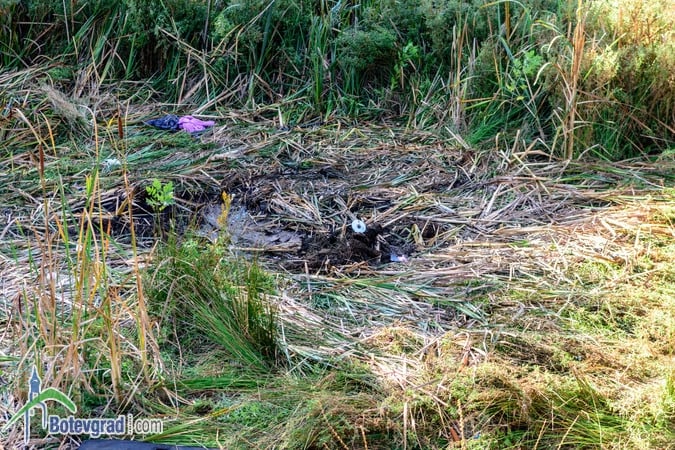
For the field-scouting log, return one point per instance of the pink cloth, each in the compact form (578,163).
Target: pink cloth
(191,125)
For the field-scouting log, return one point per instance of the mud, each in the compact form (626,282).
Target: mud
(298,210)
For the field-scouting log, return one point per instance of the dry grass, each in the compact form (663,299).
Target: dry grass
(526,289)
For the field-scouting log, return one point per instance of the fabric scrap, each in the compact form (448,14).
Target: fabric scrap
(194,125)
(168,122)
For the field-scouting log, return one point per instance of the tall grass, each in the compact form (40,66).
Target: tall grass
(202,294)
(71,325)
(82,305)
(555,72)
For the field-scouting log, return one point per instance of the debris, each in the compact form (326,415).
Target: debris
(168,123)
(192,125)
(110,164)
(113,444)
(172,122)
(244,231)
(358,226)
(395,257)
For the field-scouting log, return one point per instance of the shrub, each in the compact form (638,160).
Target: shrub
(371,54)
(628,77)
(265,34)
(449,19)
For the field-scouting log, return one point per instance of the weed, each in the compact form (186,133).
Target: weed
(160,195)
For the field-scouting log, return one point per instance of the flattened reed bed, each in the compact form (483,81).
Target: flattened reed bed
(314,180)
(462,215)
(496,243)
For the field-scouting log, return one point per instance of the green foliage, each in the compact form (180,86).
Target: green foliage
(408,56)
(368,53)
(160,195)
(267,37)
(406,18)
(523,72)
(444,18)
(513,68)
(205,296)
(631,69)
(9,33)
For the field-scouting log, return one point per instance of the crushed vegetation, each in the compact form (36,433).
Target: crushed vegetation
(513,287)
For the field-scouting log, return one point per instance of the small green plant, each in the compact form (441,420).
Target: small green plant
(406,57)
(160,195)
(523,72)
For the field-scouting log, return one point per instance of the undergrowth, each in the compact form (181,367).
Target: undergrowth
(569,78)
(530,307)
(201,296)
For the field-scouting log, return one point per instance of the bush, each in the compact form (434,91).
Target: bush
(370,54)
(628,77)
(265,34)
(447,20)
(149,21)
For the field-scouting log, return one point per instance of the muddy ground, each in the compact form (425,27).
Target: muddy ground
(295,198)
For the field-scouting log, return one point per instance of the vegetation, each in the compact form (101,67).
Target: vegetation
(513,163)
(566,78)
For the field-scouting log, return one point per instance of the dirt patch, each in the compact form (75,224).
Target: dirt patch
(374,247)
(319,205)
(295,195)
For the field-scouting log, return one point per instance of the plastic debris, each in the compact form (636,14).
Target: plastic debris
(358,226)
(110,164)
(172,122)
(169,123)
(193,125)
(393,257)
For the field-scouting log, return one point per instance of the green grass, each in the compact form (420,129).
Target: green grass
(541,315)
(201,295)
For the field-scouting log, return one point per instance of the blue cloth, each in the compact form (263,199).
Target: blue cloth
(168,122)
